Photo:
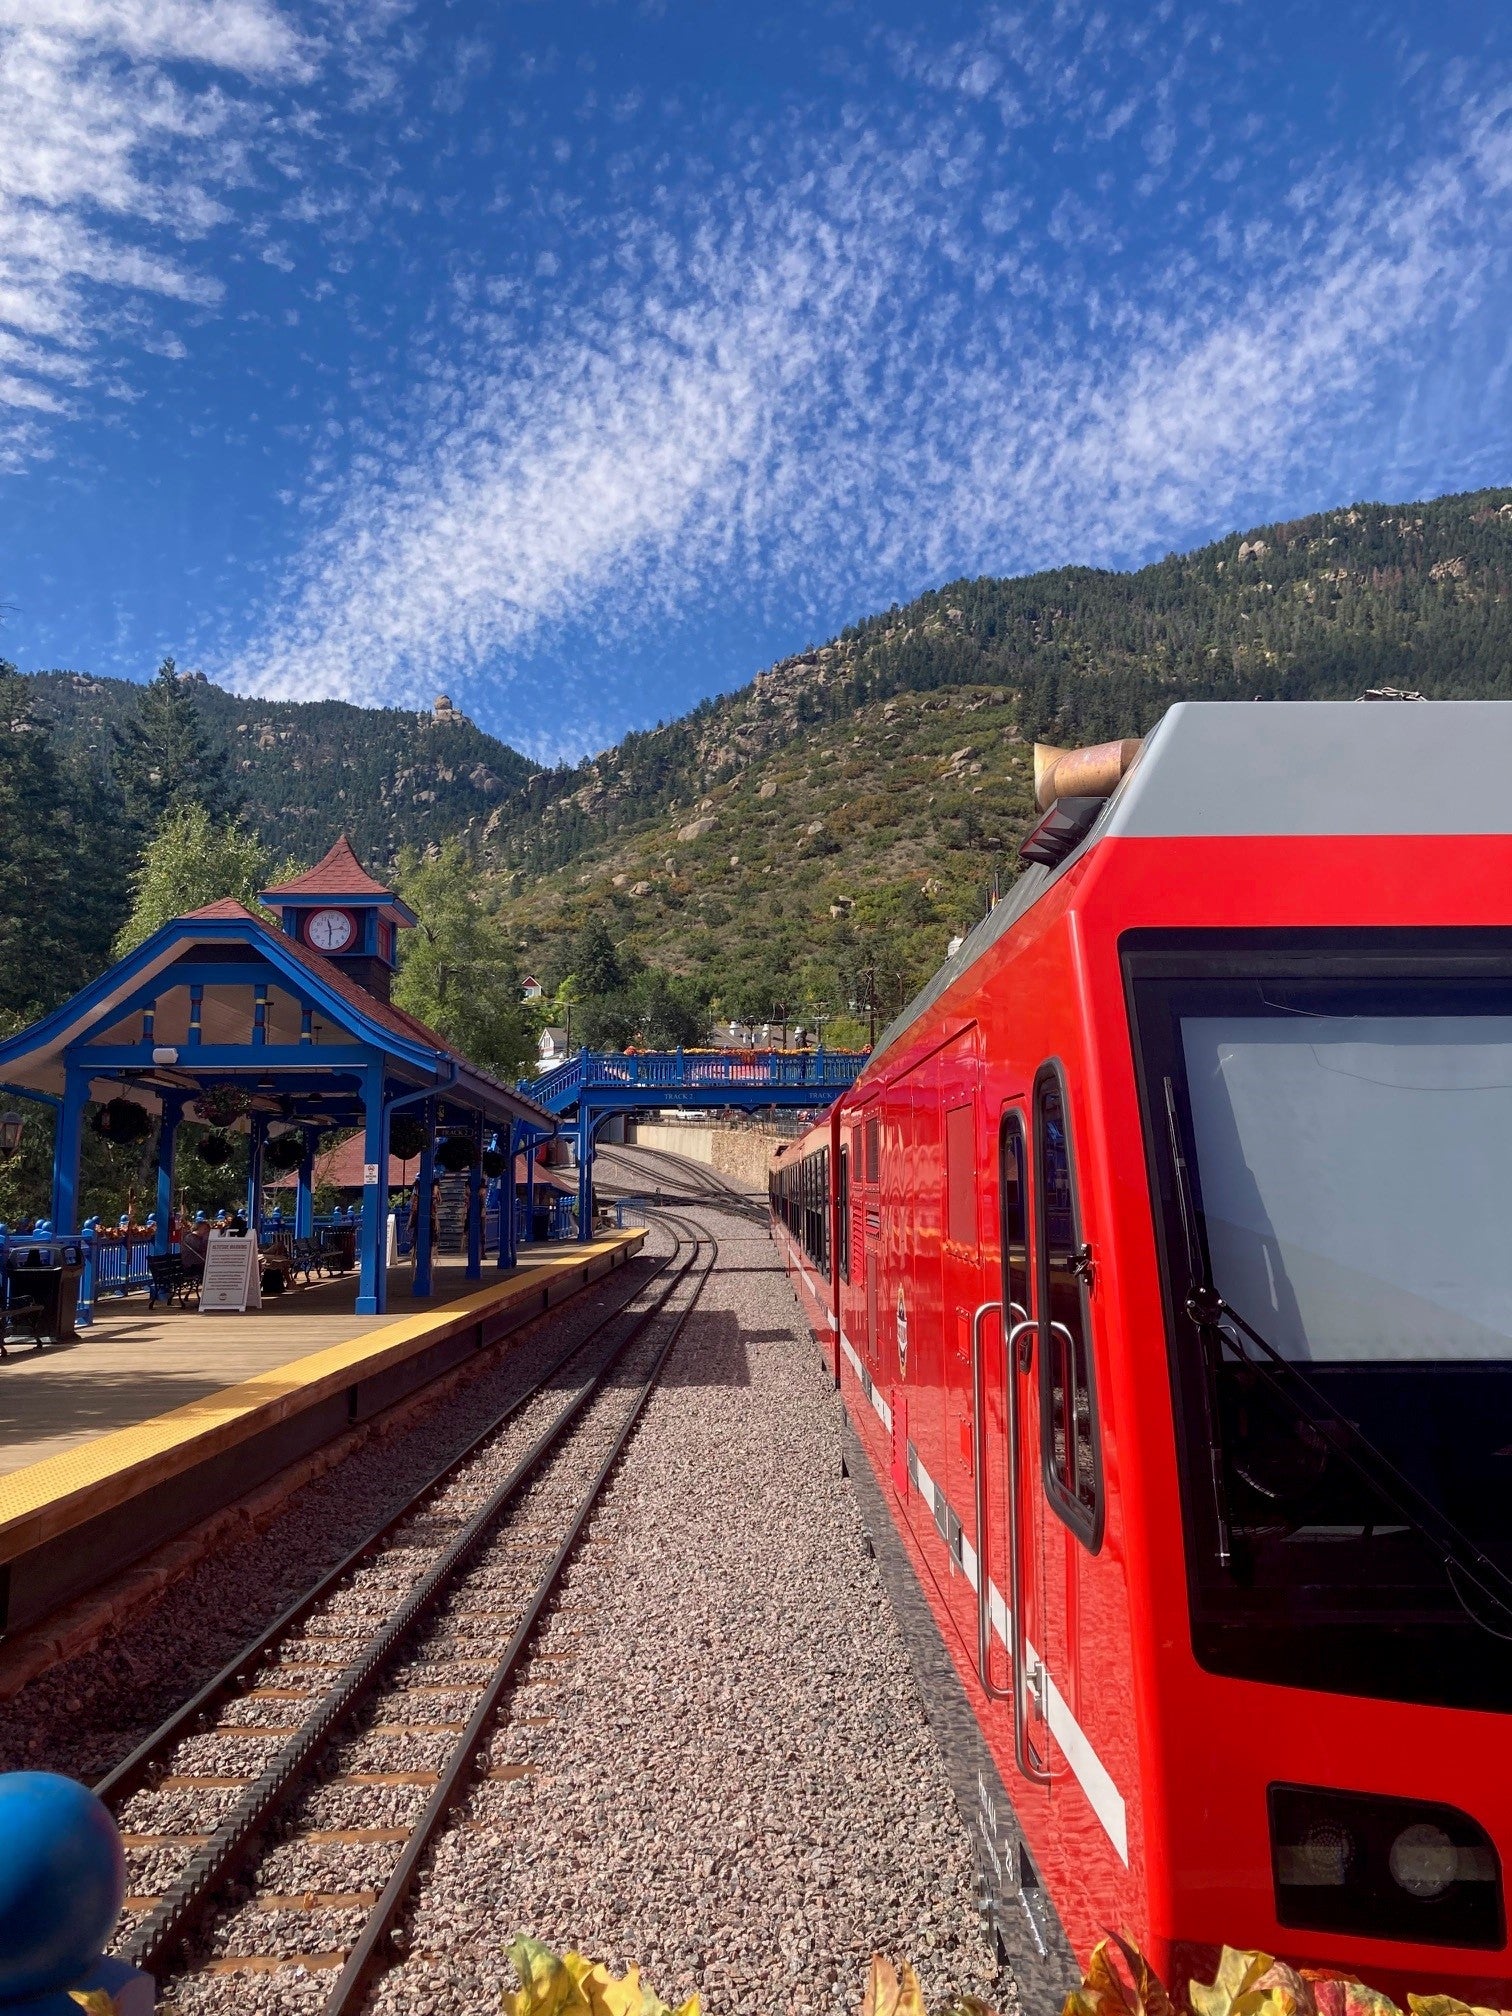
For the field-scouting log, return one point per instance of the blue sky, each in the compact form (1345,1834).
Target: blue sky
(580,359)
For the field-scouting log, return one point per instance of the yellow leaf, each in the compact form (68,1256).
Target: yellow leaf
(1237,1975)
(688,2008)
(548,1986)
(911,2001)
(1150,1995)
(95,2000)
(882,1991)
(1446,2005)
(629,1997)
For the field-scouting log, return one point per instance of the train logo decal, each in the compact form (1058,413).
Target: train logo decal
(902,1336)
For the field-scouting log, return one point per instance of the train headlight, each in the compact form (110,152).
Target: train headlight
(1424,1861)
(1323,1858)
(1388,1868)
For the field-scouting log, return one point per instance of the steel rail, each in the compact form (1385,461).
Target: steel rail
(159,1936)
(369,1952)
(135,1769)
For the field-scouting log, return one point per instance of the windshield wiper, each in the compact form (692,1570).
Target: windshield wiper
(1219,1323)
(1212,1337)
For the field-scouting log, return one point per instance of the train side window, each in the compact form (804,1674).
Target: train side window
(873,1151)
(1013,1160)
(961,1176)
(1070,1453)
(842,1211)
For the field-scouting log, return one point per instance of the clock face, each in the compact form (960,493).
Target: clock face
(330,930)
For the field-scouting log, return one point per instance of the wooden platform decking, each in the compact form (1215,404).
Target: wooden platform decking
(134,1363)
(113,1444)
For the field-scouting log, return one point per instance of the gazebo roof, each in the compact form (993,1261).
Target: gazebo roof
(225,952)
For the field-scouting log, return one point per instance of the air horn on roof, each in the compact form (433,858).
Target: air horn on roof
(1081,773)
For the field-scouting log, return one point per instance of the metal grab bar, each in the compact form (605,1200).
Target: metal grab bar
(979,1466)
(1024,1757)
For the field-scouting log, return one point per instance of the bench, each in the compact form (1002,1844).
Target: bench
(171,1278)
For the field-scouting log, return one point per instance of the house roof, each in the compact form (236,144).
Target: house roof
(341,1167)
(339,874)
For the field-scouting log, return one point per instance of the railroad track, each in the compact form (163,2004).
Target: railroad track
(699,1184)
(280,1817)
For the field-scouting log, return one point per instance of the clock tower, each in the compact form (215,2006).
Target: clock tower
(339,911)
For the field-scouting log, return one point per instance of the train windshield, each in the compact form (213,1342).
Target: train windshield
(1329,1125)
(1355,1174)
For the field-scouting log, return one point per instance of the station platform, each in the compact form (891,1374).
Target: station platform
(151,1421)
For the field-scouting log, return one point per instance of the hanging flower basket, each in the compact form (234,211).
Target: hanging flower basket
(406,1136)
(456,1153)
(122,1123)
(215,1150)
(223,1105)
(284,1152)
(495,1162)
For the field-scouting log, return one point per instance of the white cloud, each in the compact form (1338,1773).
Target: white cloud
(819,393)
(120,134)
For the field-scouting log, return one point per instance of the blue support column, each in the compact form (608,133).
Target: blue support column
(475,1206)
(372,1285)
(509,1223)
(585,1173)
(425,1189)
(529,1136)
(304,1190)
(67,1142)
(257,1135)
(504,1259)
(167,1133)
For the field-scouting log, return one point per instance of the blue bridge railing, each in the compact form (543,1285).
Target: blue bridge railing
(712,1077)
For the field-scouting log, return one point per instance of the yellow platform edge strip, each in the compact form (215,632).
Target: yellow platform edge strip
(43,1499)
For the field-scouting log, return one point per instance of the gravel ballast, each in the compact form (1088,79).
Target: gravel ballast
(725,1771)
(715,1763)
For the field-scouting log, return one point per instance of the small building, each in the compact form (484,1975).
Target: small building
(532,990)
(555,1044)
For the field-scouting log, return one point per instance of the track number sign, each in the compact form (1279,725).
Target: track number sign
(232,1282)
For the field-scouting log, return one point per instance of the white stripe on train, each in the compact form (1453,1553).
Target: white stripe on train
(1091,1773)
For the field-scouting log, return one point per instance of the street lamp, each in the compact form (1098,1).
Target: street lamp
(11,1125)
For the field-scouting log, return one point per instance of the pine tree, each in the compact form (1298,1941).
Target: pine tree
(163,757)
(59,888)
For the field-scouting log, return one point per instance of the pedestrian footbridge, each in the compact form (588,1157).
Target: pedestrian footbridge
(595,1085)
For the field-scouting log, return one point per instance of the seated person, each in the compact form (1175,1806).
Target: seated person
(193,1241)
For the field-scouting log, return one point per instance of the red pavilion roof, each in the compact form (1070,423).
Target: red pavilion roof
(339,874)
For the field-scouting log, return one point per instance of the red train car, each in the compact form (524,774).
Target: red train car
(1166,1277)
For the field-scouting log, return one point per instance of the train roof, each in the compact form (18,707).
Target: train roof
(1280,769)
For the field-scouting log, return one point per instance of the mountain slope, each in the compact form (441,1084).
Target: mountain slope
(820,835)
(313,769)
(1416,596)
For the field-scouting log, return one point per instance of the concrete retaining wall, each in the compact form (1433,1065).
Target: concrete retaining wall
(739,1153)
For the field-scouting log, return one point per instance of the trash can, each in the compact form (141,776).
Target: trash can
(44,1300)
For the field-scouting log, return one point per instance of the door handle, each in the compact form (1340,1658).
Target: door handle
(1028,1765)
(978,1464)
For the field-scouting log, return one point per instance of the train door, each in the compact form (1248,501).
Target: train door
(1059,1498)
(1022,1577)
(963,1288)
(918,1317)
